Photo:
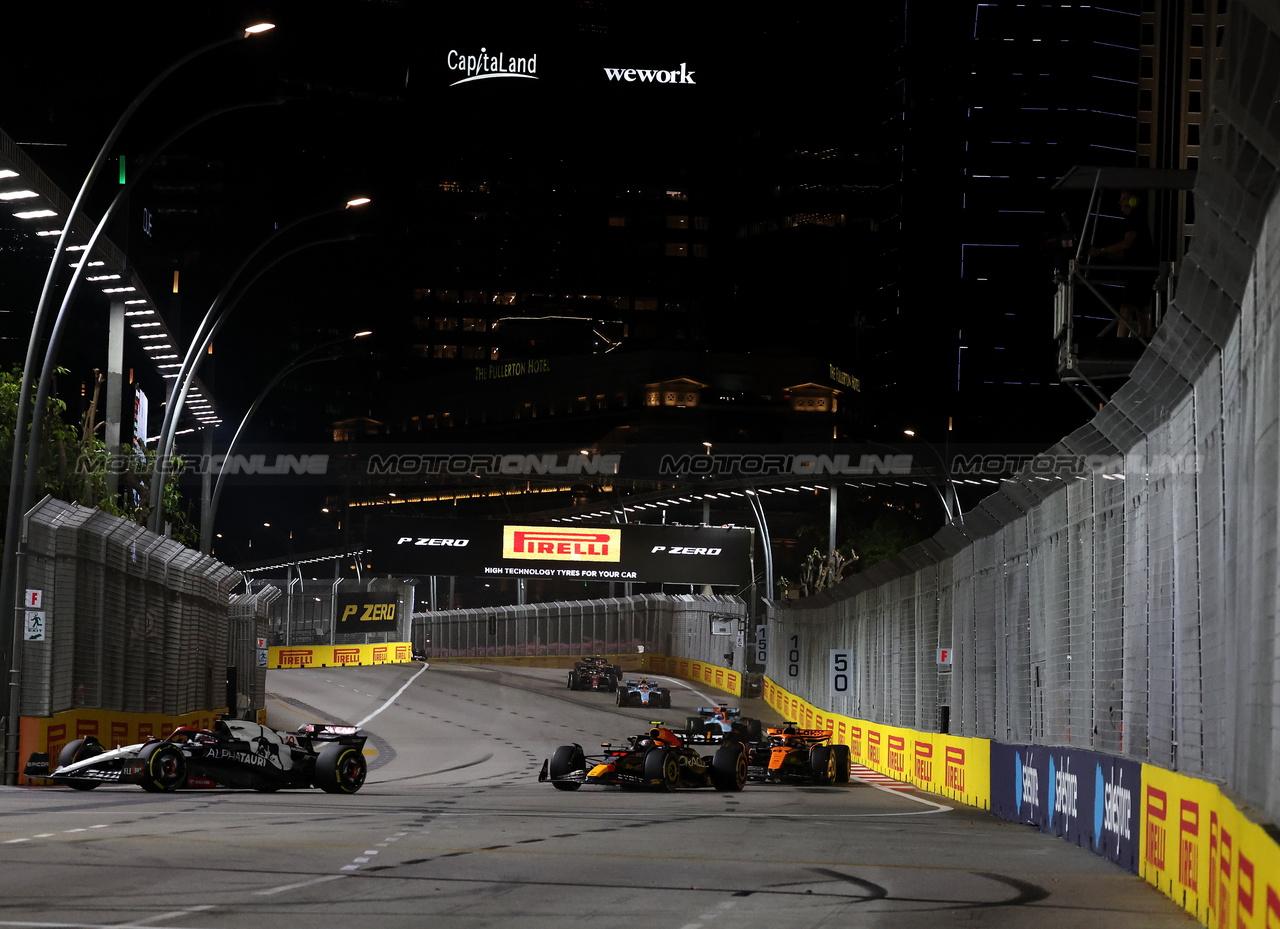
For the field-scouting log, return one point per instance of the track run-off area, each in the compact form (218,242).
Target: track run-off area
(452,829)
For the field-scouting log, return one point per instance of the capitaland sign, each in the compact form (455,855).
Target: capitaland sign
(652,76)
(542,543)
(484,64)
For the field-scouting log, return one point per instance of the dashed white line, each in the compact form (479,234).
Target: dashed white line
(173,914)
(283,887)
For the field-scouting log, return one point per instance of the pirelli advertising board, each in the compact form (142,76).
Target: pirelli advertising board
(647,554)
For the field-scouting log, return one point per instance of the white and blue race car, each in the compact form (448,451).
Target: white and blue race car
(643,693)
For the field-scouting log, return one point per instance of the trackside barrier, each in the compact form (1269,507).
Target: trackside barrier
(953,766)
(49,734)
(1087,798)
(726,679)
(1204,853)
(338,656)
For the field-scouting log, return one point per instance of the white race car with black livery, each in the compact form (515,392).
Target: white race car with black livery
(234,754)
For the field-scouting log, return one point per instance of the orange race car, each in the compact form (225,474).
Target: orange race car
(791,755)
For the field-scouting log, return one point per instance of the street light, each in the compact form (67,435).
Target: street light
(45,381)
(17,485)
(301,361)
(213,319)
(952,514)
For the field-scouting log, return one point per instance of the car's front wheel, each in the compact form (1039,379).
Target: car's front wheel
(729,767)
(843,757)
(565,760)
(164,767)
(79,750)
(822,764)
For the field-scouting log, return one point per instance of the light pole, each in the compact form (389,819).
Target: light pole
(59,324)
(947,505)
(301,361)
(17,485)
(212,321)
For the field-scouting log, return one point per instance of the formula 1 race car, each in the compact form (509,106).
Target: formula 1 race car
(643,693)
(722,723)
(235,754)
(594,674)
(794,755)
(658,758)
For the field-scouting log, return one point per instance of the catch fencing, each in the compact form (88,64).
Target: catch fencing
(307,611)
(655,623)
(1125,604)
(130,621)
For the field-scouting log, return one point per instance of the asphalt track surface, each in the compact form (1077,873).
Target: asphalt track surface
(452,829)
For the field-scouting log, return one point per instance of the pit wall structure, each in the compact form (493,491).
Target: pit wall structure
(1119,614)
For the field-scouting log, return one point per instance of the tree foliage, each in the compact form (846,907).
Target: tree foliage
(75,461)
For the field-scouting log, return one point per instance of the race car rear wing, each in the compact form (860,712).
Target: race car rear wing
(732,711)
(802,733)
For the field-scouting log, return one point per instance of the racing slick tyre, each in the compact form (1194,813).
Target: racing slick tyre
(164,767)
(822,764)
(663,766)
(729,767)
(573,680)
(843,759)
(565,759)
(340,769)
(79,750)
(665,700)
(622,698)
(755,731)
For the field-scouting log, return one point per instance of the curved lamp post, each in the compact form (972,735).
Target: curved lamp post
(947,505)
(18,486)
(212,321)
(59,324)
(301,361)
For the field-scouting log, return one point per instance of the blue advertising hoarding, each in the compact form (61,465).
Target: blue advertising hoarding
(1085,797)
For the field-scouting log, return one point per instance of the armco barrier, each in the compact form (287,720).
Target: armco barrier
(1205,854)
(338,656)
(953,766)
(726,679)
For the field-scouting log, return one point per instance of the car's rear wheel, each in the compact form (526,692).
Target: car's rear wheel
(729,767)
(755,731)
(79,750)
(164,767)
(662,766)
(843,759)
(822,764)
(564,760)
(340,769)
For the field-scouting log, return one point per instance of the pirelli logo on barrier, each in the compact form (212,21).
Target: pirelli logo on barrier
(543,543)
(294,658)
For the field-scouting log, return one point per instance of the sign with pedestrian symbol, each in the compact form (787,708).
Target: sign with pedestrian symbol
(35,628)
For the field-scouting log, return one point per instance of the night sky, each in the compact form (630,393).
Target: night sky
(362,106)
